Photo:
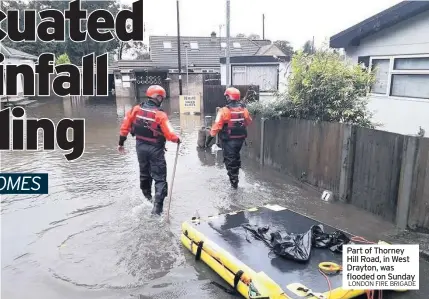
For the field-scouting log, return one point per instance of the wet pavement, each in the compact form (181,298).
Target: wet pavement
(93,237)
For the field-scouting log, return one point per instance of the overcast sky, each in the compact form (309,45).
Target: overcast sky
(292,20)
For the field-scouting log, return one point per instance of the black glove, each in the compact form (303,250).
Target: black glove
(208,141)
(122,140)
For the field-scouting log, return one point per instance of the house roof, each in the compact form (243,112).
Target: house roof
(209,50)
(387,18)
(139,65)
(253,59)
(13,53)
(270,50)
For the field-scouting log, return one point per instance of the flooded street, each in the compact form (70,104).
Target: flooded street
(92,236)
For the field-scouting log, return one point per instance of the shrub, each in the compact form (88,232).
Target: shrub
(62,59)
(323,87)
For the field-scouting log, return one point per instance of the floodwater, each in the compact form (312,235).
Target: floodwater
(92,236)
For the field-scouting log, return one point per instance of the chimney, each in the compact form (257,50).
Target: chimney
(213,36)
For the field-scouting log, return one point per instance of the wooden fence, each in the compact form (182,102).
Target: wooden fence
(384,173)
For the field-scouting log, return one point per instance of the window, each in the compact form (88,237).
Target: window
(236,45)
(381,67)
(410,86)
(419,63)
(194,45)
(363,60)
(167,45)
(406,77)
(223,45)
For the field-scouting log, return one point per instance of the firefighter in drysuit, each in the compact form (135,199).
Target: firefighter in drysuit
(151,127)
(231,122)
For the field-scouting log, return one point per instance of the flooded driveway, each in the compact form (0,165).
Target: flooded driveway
(92,236)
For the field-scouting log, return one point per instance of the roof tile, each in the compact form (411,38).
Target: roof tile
(208,53)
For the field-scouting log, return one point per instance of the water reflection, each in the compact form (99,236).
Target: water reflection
(209,158)
(230,228)
(123,105)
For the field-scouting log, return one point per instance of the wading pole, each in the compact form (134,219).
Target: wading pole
(217,135)
(172,182)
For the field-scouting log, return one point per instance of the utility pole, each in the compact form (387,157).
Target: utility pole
(178,48)
(312,46)
(263,26)
(187,70)
(228,66)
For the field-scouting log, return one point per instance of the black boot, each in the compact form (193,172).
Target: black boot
(234,182)
(148,195)
(157,207)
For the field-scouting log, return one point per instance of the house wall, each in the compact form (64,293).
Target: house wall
(399,115)
(407,37)
(284,72)
(19,82)
(124,88)
(195,88)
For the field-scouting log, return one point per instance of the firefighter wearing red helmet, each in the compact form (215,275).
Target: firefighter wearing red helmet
(151,128)
(231,124)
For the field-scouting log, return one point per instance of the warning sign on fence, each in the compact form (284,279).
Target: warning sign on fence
(380,267)
(190,104)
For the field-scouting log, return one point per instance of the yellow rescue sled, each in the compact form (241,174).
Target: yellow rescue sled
(246,264)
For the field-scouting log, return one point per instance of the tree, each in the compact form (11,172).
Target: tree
(250,36)
(74,50)
(323,87)
(138,48)
(254,37)
(308,47)
(62,59)
(285,46)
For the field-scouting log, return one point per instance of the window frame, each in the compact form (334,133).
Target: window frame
(392,71)
(236,45)
(165,43)
(194,46)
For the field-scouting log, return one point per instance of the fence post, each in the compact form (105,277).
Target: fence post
(262,154)
(405,182)
(217,135)
(347,158)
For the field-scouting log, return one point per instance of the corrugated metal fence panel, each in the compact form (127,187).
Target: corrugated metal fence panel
(213,96)
(305,149)
(419,204)
(254,138)
(376,173)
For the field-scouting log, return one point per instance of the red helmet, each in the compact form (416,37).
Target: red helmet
(232,93)
(155,91)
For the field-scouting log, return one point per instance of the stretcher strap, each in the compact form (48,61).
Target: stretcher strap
(199,249)
(237,278)
(225,289)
